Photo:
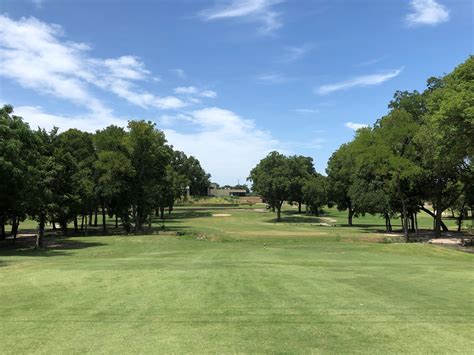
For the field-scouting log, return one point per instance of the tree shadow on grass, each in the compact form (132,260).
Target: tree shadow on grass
(53,246)
(297,218)
(186,214)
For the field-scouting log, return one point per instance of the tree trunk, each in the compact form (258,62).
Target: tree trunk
(15,224)
(412,222)
(443,226)
(64,228)
(278,208)
(87,224)
(76,229)
(82,222)
(3,235)
(416,224)
(299,206)
(137,221)
(388,226)
(461,216)
(349,216)
(40,235)
(54,225)
(95,218)
(438,217)
(104,220)
(90,218)
(404,219)
(116,221)
(162,213)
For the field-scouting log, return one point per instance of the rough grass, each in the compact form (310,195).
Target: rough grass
(238,284)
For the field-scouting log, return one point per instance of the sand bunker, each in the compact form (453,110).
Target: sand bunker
(327,219)
(221,215)
(445,241)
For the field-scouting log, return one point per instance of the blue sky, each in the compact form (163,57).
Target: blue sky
(228,81)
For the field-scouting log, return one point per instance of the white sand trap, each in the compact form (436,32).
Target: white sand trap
(221,215)
(327,219)
(260,210)
(445,241)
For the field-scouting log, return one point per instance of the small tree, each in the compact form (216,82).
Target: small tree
(271,179)
(315,193)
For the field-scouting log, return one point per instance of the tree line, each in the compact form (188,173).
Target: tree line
(419,154)
(128,174)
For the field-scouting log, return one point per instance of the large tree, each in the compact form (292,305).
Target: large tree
(149,157)
(18,157)
(341,174)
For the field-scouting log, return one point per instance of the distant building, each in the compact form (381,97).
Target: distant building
(214,190)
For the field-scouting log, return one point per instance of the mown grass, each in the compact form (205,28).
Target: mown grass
(238,284)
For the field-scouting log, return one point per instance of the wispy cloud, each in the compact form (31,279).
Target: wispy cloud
(369,62)
(306,110)
(194,91)
(259,11)
(180,73)
(38,3)
(360,81)
(427,12)
(293,53)
(273,78)
(355,126)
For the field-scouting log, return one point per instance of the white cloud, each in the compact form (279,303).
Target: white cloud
(37,117)
(355,126)
(306,110)
(34,54)
(180,73)
(194,91)
(227,145)
(272,78)
(360,81)
(427,12)
(38,3)
(294,53)
(127,67)
(369,62)
(260,11)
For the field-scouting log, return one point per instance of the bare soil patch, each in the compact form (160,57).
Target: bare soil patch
(221,215)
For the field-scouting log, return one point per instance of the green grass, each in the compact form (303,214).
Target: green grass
(216,289)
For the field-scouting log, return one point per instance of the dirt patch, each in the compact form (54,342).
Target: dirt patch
(260,210)
(221,215)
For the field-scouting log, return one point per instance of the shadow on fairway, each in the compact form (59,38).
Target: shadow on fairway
(53,247)
(184,214)
(296,218)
